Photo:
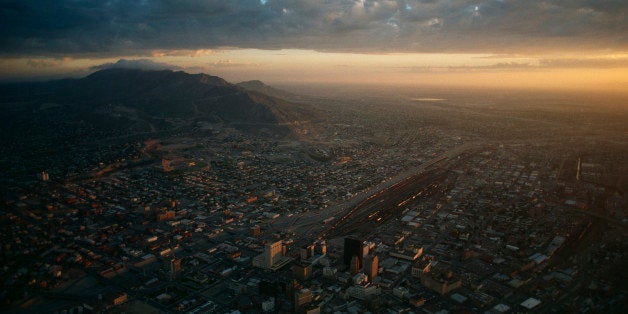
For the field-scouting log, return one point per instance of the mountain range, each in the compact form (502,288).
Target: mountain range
(51,123)
(154,97)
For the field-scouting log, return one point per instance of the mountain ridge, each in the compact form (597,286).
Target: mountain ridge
(113,112)
(261,87)
(157,94)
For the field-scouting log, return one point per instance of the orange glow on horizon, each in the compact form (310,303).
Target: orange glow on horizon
(603,72)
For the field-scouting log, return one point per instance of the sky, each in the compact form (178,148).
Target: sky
(576,44)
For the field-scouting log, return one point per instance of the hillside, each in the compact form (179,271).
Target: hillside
(114,109)
(150,95)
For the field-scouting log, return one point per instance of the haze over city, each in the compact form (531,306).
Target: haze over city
(314,156)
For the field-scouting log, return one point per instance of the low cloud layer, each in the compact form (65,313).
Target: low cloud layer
(108,28)
(142,64)
(541,64)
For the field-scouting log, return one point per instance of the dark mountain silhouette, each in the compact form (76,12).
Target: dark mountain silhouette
(112,110)
(260,87)
(177,95)
(154,95)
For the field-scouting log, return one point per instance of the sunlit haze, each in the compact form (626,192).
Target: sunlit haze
(501,44)
(314,156)
(596,72)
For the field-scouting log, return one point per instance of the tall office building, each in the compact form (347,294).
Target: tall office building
(371,265)
(274,256)
(365,249)
(273,252)
(354,266)
(353,247)
(175,265)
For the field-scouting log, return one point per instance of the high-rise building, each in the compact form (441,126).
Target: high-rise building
(353,247)
(273,252)
(174,266)
(371,265)
(354,266)
(274,256)
(365,250)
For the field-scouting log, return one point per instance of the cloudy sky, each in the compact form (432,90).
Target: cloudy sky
(568,44)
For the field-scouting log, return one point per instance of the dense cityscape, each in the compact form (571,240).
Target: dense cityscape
(314,156)
(372,203)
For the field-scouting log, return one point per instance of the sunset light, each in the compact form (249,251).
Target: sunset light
(313,156)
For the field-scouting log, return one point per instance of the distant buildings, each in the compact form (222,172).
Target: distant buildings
(256,231)
(409,254)
(312,253)
(165,215)
(302,271)
(44,176)
(302,298)
(174,266)
(273,257)
(166,165)
(307,251)
(362,292)
(437,278)
(128,225)
(119,298)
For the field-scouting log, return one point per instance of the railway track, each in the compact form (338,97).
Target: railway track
(384,205)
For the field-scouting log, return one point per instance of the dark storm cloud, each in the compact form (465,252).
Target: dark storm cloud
(136,27)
